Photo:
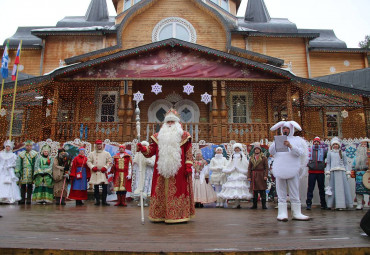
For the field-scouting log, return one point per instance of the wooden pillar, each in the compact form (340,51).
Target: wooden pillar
(289,105)
(223,113)
(215,123)
(366,108)
(44,123)
(302,111)
(270,112)
(54,111)
(121,110)
(129,112)
(324,123)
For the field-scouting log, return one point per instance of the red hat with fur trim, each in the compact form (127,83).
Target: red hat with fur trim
(98,142)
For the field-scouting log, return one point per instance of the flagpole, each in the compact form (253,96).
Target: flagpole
(15,93)
(2,85)
(2,90)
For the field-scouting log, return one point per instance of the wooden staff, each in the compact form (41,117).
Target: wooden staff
(61,195)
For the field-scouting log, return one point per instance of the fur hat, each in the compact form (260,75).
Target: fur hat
(172,115)
(98,142)
(9,143)
(290,124)
(317,139)
(122,146)
(335,140)
(238,145)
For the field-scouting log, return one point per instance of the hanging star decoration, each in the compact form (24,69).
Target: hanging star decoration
(156,88)
(138,97)
(47,112)
(206,98)
(188,89)
(344,114)
(3,112)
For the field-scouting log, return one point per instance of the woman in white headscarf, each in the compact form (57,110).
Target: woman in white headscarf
(236,186)
(9,190)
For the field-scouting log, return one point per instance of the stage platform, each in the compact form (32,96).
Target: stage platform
(51,229)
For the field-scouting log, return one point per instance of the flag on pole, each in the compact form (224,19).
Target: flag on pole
(5,62)
(16,62)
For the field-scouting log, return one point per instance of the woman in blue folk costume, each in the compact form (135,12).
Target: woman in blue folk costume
(43,177)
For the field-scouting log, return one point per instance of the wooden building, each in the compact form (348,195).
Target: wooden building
(79,77)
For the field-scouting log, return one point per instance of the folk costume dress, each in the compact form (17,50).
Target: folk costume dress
(203,192)
(122,172)
(60,176)
(172,198)
(9,191)
(43,179)
(24,170)
(80,174)
(236,186)
(338,170)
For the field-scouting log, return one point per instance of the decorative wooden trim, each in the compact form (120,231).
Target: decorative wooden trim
(289,101)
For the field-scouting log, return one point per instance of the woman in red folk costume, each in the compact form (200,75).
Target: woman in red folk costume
(122,171)
(172,199)
(80,175)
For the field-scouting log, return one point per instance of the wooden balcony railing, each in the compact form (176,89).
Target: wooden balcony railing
(117,132)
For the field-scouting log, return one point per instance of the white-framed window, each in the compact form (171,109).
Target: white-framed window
(333,124)
(174,27)
(108,104)
(240,103)
(126,4)
(17,122)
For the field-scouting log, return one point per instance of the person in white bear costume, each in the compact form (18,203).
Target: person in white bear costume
(288,167)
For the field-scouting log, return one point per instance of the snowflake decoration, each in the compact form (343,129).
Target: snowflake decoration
(173,61)
(47,112)
(123,66)
(245,72)
(351,152)
(206,98)
(3,112)
(156,88)
(111,73)
(344,114)
(138,97)
(188,89)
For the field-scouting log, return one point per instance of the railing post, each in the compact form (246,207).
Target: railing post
(129,112)
(223,113)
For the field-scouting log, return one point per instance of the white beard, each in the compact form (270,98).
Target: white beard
(361,158)
(169,150)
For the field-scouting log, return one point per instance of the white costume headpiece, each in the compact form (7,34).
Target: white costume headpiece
(256,145)
(219,149)
(9,143)
(290,124)
(238,145)
(365,140)
(335,140)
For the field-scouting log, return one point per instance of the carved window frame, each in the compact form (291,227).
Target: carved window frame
(171,20)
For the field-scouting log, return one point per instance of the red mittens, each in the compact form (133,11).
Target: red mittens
(140,148)
(189,169)
(103,169)
(95,169)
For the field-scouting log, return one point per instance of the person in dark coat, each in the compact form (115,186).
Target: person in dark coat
(257,175)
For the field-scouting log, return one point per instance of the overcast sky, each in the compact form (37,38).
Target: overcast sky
(350,19)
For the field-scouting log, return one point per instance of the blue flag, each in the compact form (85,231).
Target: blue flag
(5,62)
